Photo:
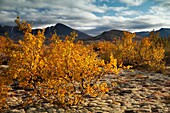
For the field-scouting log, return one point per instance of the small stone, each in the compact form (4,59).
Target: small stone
(145,104)
(74,107)
(85,111)
(61,110)
(102,103)
(92,104)
(17,111)
(123,107)
(30,110)
(98,111)
(105,108)
(137,96)
(51,110)
(159,106)
(47,105)
(114,106)
(127,104)
(135,103)
(109,101)
(104,97)
(22,111)
(123,92)
(84,104)
(154,109)
(146,107)
(117,103)
(136,106)
(145,110)
(130,111)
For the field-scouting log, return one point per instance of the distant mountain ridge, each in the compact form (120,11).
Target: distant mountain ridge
(60,29)
(163,32)
(110,35)
(63,30)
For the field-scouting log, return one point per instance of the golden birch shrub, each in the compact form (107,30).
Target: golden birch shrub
(4,88)
(75,70)
(125,49)
(2,46)
(146,54)
(151,53)
(122,49)
(6,45)
(27,62)
(62,72)
(104,49)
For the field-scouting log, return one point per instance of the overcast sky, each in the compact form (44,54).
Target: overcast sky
(89,16)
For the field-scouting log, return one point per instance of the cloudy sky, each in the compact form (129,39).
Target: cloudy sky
(89,16)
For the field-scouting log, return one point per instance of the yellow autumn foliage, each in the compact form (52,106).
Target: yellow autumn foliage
(146,54)
(62,72)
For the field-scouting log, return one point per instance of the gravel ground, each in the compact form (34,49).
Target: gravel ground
(136,92)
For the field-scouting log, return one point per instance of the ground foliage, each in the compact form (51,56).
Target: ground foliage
(64,71)
(146,54)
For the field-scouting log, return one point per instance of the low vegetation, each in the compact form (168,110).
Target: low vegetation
(64,72)
(145,54)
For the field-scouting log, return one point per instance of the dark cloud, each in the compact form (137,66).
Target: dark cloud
(97,30)
(81,14)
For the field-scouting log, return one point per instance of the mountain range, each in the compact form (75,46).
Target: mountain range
(60,29)
(163,32)
(63,30)
(110,35)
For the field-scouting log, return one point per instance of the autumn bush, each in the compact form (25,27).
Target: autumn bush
(2,45)
(63,72)
(6,45)
(145,54)
(4,88)
(151,53)
(104,49)
(166,42)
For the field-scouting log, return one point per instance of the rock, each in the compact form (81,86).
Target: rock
(42,112)
(133,94)
(130,111)
(22,111)
(146,107)
(61,110)
(145,110)
(51,110)
(123,92)
(123,108)
(105,108)
(117,103)
(47,105)
(136,106)
(102,103)
(31,110)
(84,110)
(4,66)
(109,101)
(84,104)
(159,106)
(17,111)
(154,110)
(92,104)
(114,106)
